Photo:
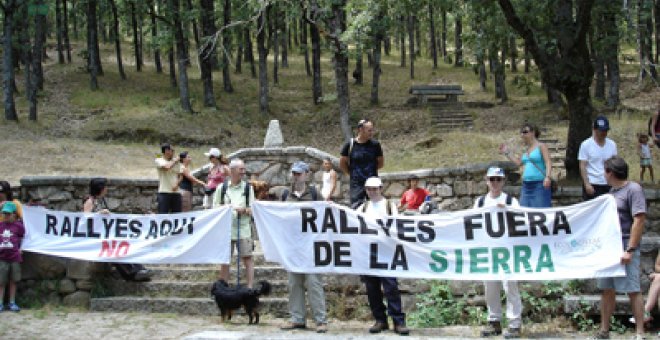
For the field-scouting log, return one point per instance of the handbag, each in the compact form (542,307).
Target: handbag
(553,183)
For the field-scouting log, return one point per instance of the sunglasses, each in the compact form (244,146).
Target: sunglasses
(524,132)
(495,179)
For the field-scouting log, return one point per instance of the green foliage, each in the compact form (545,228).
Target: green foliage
(439,307)
(523,83)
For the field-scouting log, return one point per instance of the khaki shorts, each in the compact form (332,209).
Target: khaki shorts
(246,246)
(9,269)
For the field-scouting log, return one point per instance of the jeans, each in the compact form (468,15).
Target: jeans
(534,195)
(392,294)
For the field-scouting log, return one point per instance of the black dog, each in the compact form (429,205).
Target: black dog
(232,298)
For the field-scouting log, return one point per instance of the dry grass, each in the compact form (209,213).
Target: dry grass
(116,131)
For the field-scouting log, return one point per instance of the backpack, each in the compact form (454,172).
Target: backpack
(482,199)
(388,207)
(312,192)
(246,192)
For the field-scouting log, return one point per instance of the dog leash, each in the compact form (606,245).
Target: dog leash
(238,249)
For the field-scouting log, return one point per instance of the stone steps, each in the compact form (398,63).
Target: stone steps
(447,116)
(590,304)
(184,289)
(191,273)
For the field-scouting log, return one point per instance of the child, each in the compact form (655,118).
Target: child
(644,151)
(329,180)
(11,235)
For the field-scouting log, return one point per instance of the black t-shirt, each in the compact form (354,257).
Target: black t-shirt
(363,160)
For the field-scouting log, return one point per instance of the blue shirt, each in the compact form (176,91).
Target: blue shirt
(535,171)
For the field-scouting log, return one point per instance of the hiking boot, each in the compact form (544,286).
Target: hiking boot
(142,275)
(601,334)
(379,327)
(494,328)
(14,307)
(321,328)
(512,333)
(292,325)
(401,329)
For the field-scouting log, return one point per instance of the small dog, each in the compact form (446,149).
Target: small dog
(232,298)
(261,189)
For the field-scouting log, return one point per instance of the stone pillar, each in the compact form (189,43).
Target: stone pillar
(274,137)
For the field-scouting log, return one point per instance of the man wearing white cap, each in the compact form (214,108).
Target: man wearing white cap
(497,198)
(378,206)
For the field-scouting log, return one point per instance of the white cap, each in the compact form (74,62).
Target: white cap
(494,171)
(373,182)
(215,152)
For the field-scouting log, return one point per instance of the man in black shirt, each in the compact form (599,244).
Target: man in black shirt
(361,157)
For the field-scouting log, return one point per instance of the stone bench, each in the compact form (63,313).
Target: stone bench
(450,92)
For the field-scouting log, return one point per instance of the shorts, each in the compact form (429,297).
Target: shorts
(624,284)
(9,269)
(246,246)
(645,162)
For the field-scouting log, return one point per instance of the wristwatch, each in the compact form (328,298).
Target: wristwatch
(631,249)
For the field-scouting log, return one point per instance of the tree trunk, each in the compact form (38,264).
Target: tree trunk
(184,94)
(483,78)
(303,44)
(615,82)
(7,60)
(249,53)
(154,37)
(411,45)
(60,33)
(101,23)
(656,11)
(317,90)
(115,33)
(458,31)
(402,40)
(226,44)
(238,67)
(206,57)
(30,85)
(172,63)
(136,41)
(67,43)
(434,49)
(285,40)
(387,44)
(39,41)
(338,26)
(190,8)
(378,39)
(513,53)
(528,62)
(358,75)
(418,36)
(443,37)
(263,70)
(92,45)
(74,20)
(274,42)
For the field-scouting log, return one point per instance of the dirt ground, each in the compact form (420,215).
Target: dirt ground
(72,324)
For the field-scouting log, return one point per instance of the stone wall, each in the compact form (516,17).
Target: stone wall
(453,188)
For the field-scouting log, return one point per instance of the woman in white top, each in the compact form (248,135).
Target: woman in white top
(329,180)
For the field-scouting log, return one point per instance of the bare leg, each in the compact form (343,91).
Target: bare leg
(637,303)
(249,269)
(224,272)
(654,290)
(641,173)
(12,291)
(651,173)
(607,304)
(2,294)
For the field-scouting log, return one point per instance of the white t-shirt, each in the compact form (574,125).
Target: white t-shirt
(491,202)
(378,209)
(595,156)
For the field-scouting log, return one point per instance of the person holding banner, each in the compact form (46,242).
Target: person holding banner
(299,282)
(95,203)
(631,207)
(497,198)
(6,195)
(361,157)
(378,206)
(593,153)
(12,232)
(238,193)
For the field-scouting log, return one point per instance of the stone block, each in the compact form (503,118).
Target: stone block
(443,190)
(60,196)
(79,270)
(53,298)
(274,136)
(275,175)
(256,167)
(462,188)
(85,285)
(77,299)
(66,286)
(113,203)
(40,266)
(395,190)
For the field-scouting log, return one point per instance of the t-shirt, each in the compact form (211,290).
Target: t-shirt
(363,160)
(167,178)
(630,201)
(492,202)
(596,155)
(378,209)
(236,197)
(414,198)
(19,210)
(645,151)
(11,235)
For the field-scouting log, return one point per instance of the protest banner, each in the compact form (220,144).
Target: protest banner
(578,241)
(191,237)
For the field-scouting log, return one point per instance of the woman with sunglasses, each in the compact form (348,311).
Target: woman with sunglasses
(537,168)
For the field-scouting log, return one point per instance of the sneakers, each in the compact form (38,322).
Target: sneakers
(601,334)
(321,328)
(379,327)
(14,307)
(647,318)
(494,328)
(512,333)
(401,329)
(292,325)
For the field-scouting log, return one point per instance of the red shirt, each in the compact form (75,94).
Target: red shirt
(414,198)
(11,235)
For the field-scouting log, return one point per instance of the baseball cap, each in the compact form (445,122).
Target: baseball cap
(215,152)
(299,167)
(494,171)
(373,182)
(601,123)
(9,207)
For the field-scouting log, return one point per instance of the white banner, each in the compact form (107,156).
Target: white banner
(578,241)
(192,237)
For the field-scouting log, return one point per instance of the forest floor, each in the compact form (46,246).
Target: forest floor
(116,130)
